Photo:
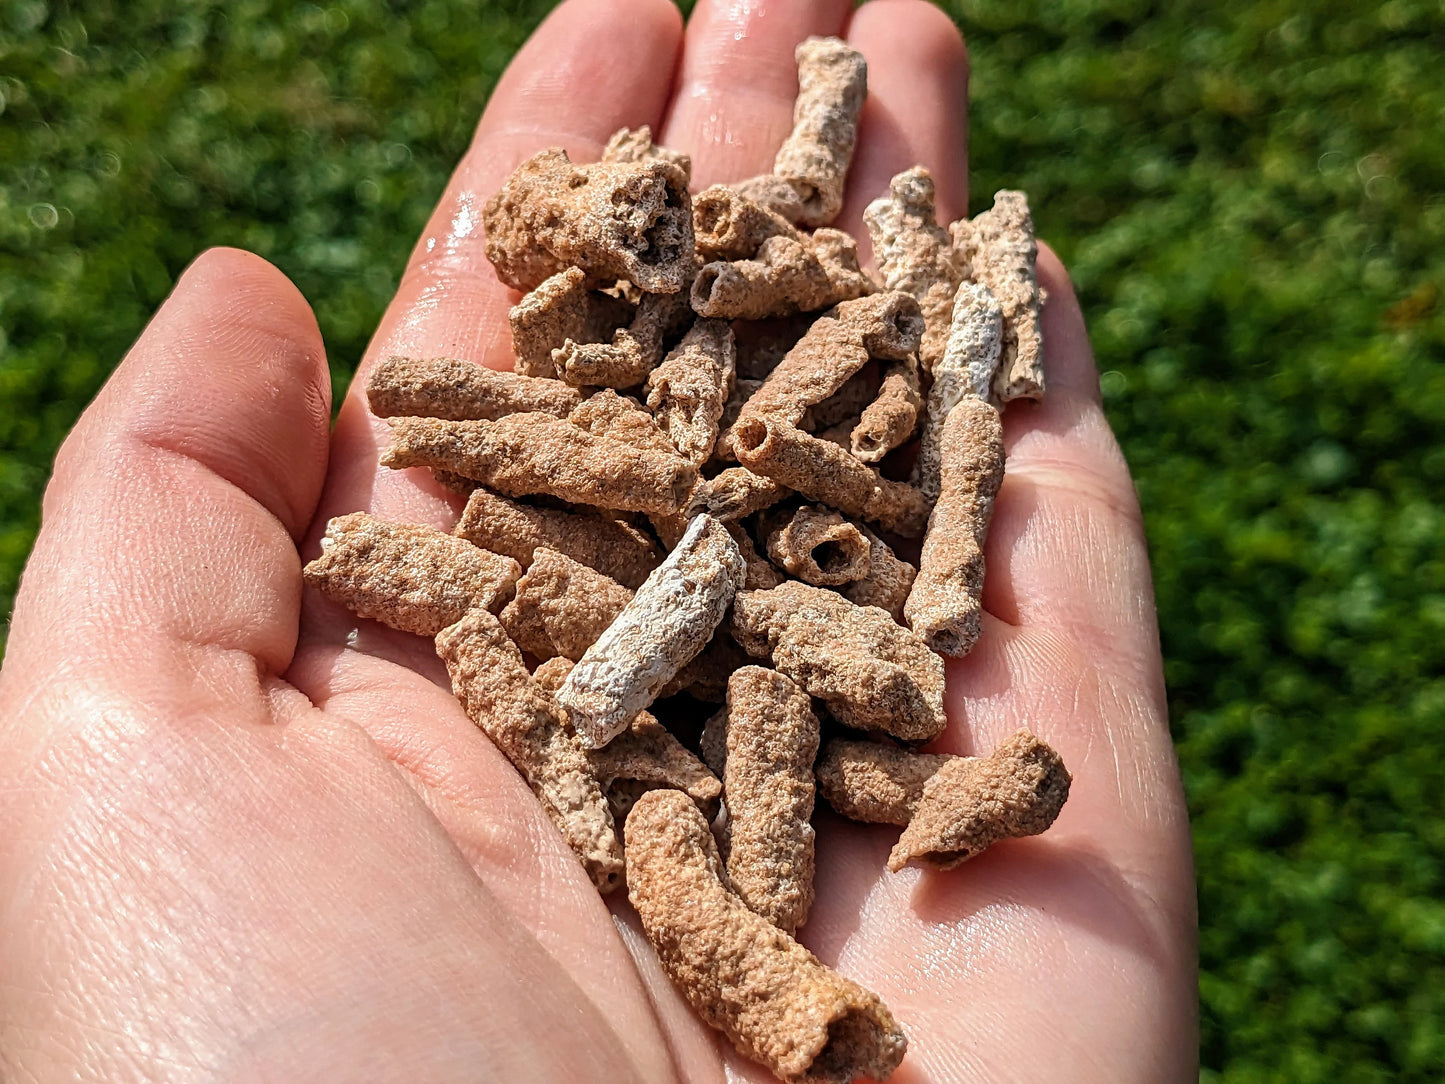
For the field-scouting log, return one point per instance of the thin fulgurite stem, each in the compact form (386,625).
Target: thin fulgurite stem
(461,391)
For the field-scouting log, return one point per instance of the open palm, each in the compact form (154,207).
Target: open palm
(246,837)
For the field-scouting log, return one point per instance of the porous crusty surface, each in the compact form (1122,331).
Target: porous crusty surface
(636,145)
(784,276)
(562,607)
(874,781)
(561,310)
(416,579)
(525,454)
(970,803)
(825,472)
(610,545)
(688,391)
(887,582)
(665,625)
(519,716)
(778,1004)
(1000,246)
(729,226)
(772,741)
(614,220)
(967,367)
(461,391)
(945,606)
(889,420)
(872,673)
(916,255)
(816,544)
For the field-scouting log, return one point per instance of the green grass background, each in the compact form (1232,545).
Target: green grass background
(1251,197)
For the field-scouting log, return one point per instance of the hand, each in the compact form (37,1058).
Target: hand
(245,837)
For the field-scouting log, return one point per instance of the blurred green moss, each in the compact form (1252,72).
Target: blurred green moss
(1250,198)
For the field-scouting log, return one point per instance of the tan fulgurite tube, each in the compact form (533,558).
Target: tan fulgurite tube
(517,714)
(945,606)
(777,1003)
(461,391)
(411,578)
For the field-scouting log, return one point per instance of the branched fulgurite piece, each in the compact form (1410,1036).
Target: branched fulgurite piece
(666,624)
(816,545)
(525,454)
(873,782)
(916,255)
(970,803)
(787,275)
(614,220)
(871,672)
(411,578)
(777,1003)
(813,161)
(461,391)
(967,367)
(611,546)
(561,309)
(946,603)
(519,716)
(688,391)
(1001,247)
(736,493)
(772,741)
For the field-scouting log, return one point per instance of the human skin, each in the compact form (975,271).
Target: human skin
(247,836)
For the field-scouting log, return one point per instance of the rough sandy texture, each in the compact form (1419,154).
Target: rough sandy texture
(621,418)
(411,578)
(817,545)
(519,716)
(688,391)
(614,220)
(970,803)
(743,975)
(813,161)
(525,454)
(728,226)
(761,573)
(461,391)
(735,493)
(562,607)
(874,782)
(1000,246)
(888,581)
(613,547)
(633,351)
(916,255)
(559,311)
(945,606)
(871,672)
(835,348)
(636,145)
(822,471)
(774,193)
(889,419)
(968,365)
(666,624)
(772,741)
(785,275)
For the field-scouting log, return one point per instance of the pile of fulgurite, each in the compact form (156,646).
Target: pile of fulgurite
(702,460)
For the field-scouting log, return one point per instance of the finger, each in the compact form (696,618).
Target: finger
(734,101)
(916,112)
(592,67)
(1066,547)
(171,518)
